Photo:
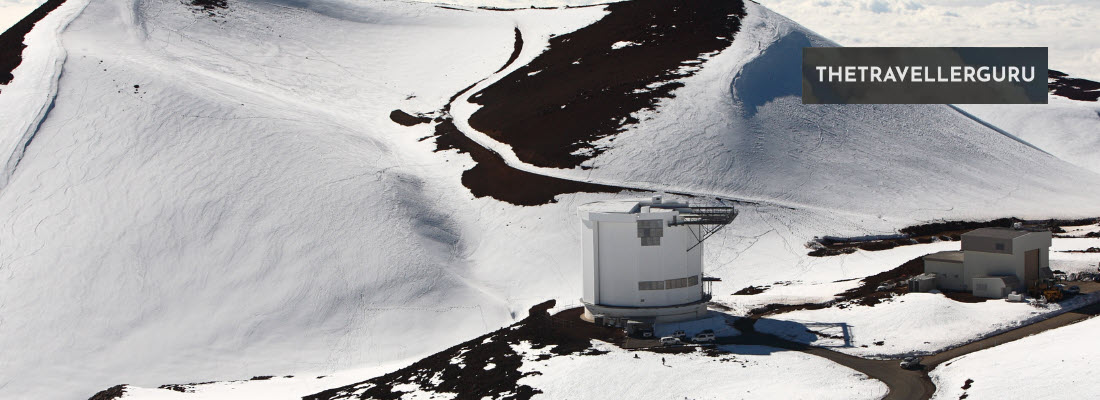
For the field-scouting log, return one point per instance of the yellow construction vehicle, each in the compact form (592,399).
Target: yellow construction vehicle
(1047,289)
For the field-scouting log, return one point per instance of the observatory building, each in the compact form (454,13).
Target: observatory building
(643,260)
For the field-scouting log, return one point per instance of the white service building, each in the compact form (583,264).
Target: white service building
(992,262)
(643,259)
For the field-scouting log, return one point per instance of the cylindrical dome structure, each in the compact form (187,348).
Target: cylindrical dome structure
(644,260)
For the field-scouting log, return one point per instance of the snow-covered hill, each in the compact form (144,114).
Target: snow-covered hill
(1067,129)
(217,194)
(738,128)
(1058,361)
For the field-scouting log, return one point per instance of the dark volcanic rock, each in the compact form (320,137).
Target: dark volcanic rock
(493,177)
(407,119)
(469,378)
(11,41)
(581,89)
(210,4)
(114,392)
(1061,84)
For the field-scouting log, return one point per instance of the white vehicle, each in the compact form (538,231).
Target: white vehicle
(910,363)
(679,335)
(671,341)
(703,337)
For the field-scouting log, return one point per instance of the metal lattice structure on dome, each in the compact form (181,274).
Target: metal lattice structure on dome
(709,219)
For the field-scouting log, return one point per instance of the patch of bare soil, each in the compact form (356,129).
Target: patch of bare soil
(11,41)
(494,178)
(928,233)
(462,369)
(866,294)
(406,119)
(114,392)
(1060,84)
(516,49)
(751,290)
(210,4)
(582,89)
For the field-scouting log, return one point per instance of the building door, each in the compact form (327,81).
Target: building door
(1031,267)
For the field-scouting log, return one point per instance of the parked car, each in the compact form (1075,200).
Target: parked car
(1073,289)
(671,341)
(704,336)
(910,363)
(679,335)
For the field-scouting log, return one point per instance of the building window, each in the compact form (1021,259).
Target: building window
(650,231)
(999,246)
(676,283)
(669,283)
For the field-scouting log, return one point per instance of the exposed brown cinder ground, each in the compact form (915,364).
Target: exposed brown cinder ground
(865,294)
(584,90)
(927,233)
(515,50)
(470,379)
(493,177)
(111,393)
(11,41)
(1072,88)
(407,119)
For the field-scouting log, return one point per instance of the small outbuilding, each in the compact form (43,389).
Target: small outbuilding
(922,283)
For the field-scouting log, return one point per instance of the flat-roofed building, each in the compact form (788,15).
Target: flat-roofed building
(991,253)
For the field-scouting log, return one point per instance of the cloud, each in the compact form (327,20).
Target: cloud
(877,6)
(1067,27)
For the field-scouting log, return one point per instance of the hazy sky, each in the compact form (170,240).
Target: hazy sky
(1068,27)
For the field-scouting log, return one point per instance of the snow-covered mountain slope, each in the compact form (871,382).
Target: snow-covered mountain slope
(530,359)
(29,96)
(220,194)
(738,128)
(212,196)
(1062,360)
(1067,129)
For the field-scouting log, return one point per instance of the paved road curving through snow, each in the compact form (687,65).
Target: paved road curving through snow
(906,384)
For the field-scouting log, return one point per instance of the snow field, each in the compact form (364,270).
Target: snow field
(749,372)
(739,130)
(914,323)
(28,97)
(1061,360)
(249,208)
(227,218)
